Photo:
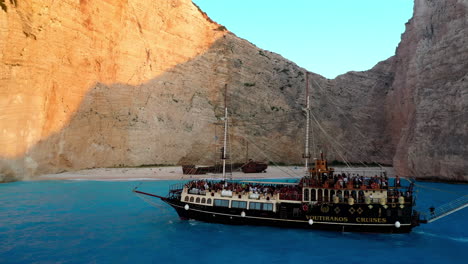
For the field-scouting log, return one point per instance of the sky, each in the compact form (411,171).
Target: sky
(328,37)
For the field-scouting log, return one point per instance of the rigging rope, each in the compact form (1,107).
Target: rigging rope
(342,113)
(331,140)
(313,140)
(230,149)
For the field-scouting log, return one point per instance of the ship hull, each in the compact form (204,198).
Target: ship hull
(320,217)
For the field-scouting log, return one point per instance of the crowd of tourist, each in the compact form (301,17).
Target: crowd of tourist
(202,186)
(337,182)
(350,181)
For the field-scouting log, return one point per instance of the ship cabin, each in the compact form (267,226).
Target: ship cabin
(249,195)
(325,185)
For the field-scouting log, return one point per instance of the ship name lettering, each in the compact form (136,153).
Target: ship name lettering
(370,220)
(327,218)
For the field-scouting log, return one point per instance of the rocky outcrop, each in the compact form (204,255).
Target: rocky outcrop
(93,84)
(427,107)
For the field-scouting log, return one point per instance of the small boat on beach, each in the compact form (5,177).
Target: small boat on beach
(254,167)
(199,170)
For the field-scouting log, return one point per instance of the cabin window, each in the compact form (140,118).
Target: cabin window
(239,204)
(320,195)
(312,195)
(326,195)
(197,200)
(191,199)
(203,200)
(261,206)
(208,201)
(306,195)
(221,203)
(255,206)
(186,198)
(332,193)
(268,207)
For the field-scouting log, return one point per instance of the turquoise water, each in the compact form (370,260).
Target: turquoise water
(104,222)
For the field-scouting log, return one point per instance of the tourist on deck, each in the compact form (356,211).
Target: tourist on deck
(397,181)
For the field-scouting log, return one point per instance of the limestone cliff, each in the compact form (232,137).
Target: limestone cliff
(427,106)
(413,107)
(56,54)
(130,82)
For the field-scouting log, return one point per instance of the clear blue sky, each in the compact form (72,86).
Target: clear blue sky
(328,37)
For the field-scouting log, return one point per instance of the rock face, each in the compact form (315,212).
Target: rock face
(98,84)
(58,54)
(428,102)
(413,107)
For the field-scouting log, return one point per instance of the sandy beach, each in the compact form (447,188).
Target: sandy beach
(175,173)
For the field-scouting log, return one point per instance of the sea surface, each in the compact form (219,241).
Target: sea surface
(105,222)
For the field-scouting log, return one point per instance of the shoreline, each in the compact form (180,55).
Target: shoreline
(157,173)
(175,173)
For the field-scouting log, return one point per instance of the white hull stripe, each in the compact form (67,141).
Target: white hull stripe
(287,220)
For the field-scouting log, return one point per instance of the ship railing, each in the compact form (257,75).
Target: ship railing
(362,172)
(393,205)
(177,187)
(290,196)
(362,202)
(351,186)
(197,191)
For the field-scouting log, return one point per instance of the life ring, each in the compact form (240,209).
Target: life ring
(305,207)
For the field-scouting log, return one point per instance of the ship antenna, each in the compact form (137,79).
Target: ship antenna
(307,110)
(225,131)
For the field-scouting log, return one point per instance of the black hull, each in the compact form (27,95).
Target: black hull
(344,222)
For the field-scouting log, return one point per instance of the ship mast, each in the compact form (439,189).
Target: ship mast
(306,155)
(225,132)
